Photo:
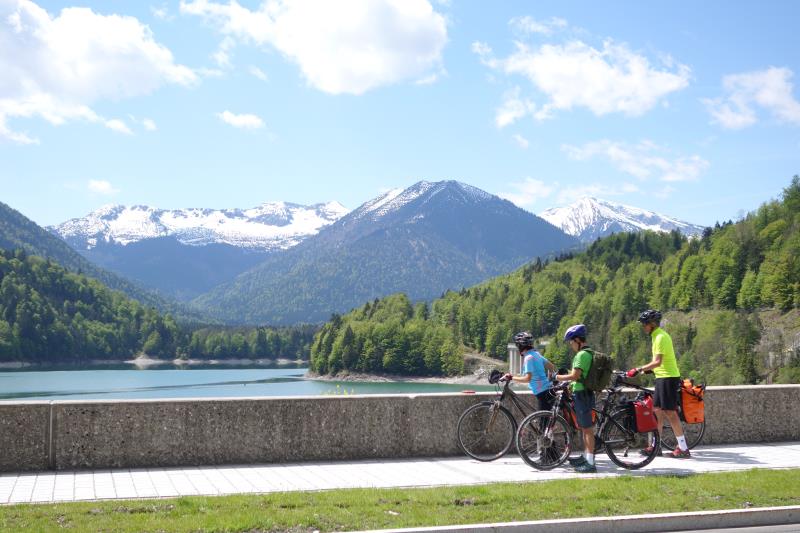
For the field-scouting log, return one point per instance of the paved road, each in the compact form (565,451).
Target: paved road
(243,479)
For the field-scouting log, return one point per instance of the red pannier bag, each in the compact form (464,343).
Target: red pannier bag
(692,406)
(645,416)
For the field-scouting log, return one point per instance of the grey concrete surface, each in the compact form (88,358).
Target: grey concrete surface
(24,436)
(126,483)
(654,523)
(157,433)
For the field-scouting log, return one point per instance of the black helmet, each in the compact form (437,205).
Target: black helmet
(523,340)
(495,376)
(651,315)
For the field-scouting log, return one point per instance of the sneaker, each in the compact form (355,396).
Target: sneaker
(586,468)
(647,451)
(577,461)
(677,453)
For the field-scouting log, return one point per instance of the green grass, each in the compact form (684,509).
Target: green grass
(393,508)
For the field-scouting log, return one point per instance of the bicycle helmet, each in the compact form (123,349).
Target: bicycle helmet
(651,315)
(524,341)
(578,330)
(495,376)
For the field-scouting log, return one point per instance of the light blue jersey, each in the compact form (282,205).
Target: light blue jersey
(533,364)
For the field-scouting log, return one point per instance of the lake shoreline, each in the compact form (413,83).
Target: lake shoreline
(356,377)
(146,362)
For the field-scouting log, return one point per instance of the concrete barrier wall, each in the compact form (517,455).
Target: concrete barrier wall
(24,436)
(83,435)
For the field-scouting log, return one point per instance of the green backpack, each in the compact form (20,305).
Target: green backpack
(599,375)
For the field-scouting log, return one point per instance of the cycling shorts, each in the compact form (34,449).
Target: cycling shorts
(666,394)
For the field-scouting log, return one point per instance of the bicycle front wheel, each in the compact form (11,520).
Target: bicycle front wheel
(625,447)
(693,433)
(544,442)
(486,431)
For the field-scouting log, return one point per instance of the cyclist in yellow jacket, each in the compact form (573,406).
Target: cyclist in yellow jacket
(668,380)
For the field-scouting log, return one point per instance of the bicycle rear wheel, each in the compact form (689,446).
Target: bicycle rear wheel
(693,433)
(486,431)
(544,442)
(625,447)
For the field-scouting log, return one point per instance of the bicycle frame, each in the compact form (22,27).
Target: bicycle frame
(508,394)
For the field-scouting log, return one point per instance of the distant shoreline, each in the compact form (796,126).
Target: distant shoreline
(145,362)
(470,379)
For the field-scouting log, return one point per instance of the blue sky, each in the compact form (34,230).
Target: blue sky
(691,109)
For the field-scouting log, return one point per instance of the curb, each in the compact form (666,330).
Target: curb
(650,523)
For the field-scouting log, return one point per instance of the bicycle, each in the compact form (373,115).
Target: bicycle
(487,429)
(544,438)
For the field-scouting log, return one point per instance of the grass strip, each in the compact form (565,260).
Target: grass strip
(356,509)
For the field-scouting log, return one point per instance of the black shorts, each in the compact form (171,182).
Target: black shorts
(666,396)
(546,400)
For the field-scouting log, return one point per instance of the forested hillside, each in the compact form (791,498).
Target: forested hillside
(731,296)
(48,314)
(17,232)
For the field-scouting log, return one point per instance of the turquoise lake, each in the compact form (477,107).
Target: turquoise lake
(124,382)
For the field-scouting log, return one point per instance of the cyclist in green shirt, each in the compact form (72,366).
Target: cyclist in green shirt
(668,380)
(583,398)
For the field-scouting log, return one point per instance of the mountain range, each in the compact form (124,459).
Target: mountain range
(186,252)
(424,240)
(589,219)
(283,263)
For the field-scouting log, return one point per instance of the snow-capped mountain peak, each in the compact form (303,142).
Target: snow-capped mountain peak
(590,218)
(395,199)
(269,226)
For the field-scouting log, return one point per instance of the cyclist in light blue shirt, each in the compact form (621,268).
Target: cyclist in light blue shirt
(537,371)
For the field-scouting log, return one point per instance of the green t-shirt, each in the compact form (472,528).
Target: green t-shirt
(582,360)
(662,344)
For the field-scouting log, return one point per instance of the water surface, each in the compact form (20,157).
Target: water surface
(123,382)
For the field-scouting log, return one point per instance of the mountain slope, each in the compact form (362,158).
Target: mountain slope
(187,252)
(422,241)
(731,300)
(19,232)
(590,218)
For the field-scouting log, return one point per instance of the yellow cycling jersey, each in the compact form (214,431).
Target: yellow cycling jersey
(662,344)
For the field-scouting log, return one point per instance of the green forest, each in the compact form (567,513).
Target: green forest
(731,302)
(48,314)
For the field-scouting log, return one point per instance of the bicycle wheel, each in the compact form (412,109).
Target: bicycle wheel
(542,441)
(486,431)
(693,433)
(625,447)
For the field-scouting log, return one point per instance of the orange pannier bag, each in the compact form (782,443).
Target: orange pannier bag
(692,406)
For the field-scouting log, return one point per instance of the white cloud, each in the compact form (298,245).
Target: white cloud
(118,126)
(596,190)
(645,160)
(222,56)
(101,187)
(612,79)
(528,24)
(258,73)
(54,68)
(513,108)
(770,89)
(341,47)
(149,124)
(161,12)
(522,142)
(528,192)
(244,121)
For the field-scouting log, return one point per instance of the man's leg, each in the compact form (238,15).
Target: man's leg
(677,429)
(588,440)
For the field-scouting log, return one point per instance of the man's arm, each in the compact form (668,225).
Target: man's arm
(574,375)
(656,362)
